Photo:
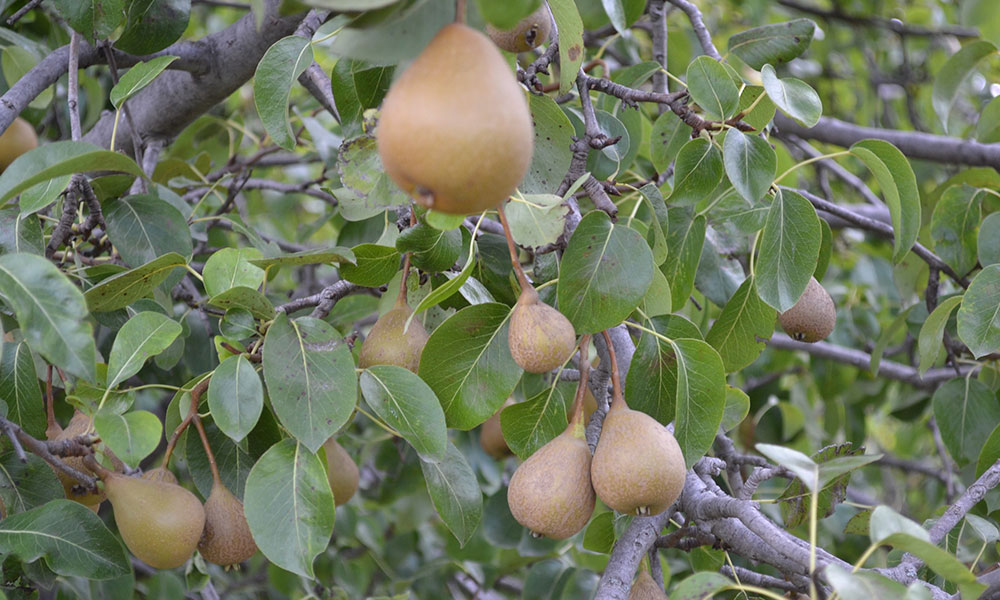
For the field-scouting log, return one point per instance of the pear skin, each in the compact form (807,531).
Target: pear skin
(646,588)
(388,344)
(491,436)
(540,337)
(530,32)
(80,424)
(160,474)
(19,138)
(812,318)
(341,471)
(227,539)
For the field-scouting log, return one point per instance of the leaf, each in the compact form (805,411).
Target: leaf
(235,397)
(685,240)
(455,493)
(899,188)
(660,226)
(25,485)
(954,226)
(651,381)
(793,96)
(737,408)
(93,19)
(712,88)
(789,250)
(988,125)
(396,39)
(43,194)
(667,138)
(58,159)
(409,406)
(132,436)
(698,171)
(309,372)
(245,298)
(804,467)
(231,267)
(453,285)
(605,272)
(553,138)
(289,506)
(887,335)
(73,541)
(137,78)
(467,363)
(750,164)
(862,585)
(277,71)
(776,43)
(623,12)
(570,28)
(745,323)
(701,397)
(505,15)
(538,220)
(432,250)
(966,412)
(989,240)
(953,73)
(929,342)
(368,190)
(357,87)
(699,586)
(529,425)
(144,227)
(319,256)
(48,307)
(19,388)
(153,25)
(145,335)
(979,315)
(835,465)
(375,266)
(118,291)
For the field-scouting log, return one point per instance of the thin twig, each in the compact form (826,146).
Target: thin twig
(73,87)
(28,7)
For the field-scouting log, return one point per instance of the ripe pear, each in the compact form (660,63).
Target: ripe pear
(226,539)
(388,344)
(530,32)
(19,138)
(162,474)
(455,131)
(160,522)
(491,437)
(540,337)
(646,588)
(341,471)
(813,316)
(638,468)
(550,493)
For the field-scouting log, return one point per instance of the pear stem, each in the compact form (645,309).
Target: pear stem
(401,298)
(521,277)
(460,11)
(208,449)
(616,384)
(581,388)
(196,393)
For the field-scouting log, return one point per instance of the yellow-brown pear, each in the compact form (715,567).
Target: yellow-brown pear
(226,539)
(455,131)
(540,337)
(646,588)
(812,318)
(19,138)
(390,342)
(79,424)
(162,474)
(491,436)
(341,471)
(530,32)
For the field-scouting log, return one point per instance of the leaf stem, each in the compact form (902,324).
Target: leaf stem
(521,277)
(196,393)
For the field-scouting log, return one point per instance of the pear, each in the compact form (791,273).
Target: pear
(638,468)
(540,337)
(160,474)
(79,424)
(646,588)
(19,138)
(341,471)
(388,344)
(455,131)
(530,32)
(812,318)
(226,539)
(491,437)
(160,522)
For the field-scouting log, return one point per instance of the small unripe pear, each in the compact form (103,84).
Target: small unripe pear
(341,471)
(540,337)
(19,138)
(813,316)
(226,539)
(530,32)
(491,437)
(646,588)
(388,344)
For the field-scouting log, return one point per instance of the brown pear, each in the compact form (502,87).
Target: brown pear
(550,493)
(491,437)
(19,138)
(638,468)
(391,342)
(646,588)
(540,337)
(530,32)
(160,522)
(812,318)
(80,424)
(455,131)
(341,471)
(162,474)
(226,539)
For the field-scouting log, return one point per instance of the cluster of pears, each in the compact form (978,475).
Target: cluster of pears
(812,318)
(17,139)
(455,131)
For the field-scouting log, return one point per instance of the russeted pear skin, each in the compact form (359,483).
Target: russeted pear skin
(530,32)
(160,522)
(160,474)
(17,139)
(638,468)
(491,436)
(540,337)
(812,318)
(646,588)
(388,344)
(341,471)
(227,539)
(455,131)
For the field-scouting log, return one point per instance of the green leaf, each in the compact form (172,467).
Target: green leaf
(432,250)
(776,43)
(953,73)
(793,96)
(940,560)
(929,342)
(375,266)
(396,39)
(43,194)
(467,363)
(988,125)
(988,244)
(118,291)
(737,408)
(137,78)
(954,227)
(623,12)
(87,549)
(319,256)
(145,335)
(660,225)
(289,506)
(276,73)
(685,240)
(742,327)
(48,307)
(531,424)
(19,388)
(455,493)
(571,54)
(698,171)
(310,378)
(93,19)
(789,250)
(701,397)
(553,138)
(231,267)
(966,412)
(887,335)
(505,15)
(699,586)
(978,321)
(18,62)
(804,467)
(651,382)
(246,298)
(25,485)
(537,220)
(604,273)
(409,406)
(712,88)
(357,87)
(235,397)
(750,164)
(58,159)
(132,436)
(153,25)
(144,227)
(452,286)
(899,188)
(862,585)
(669,135)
